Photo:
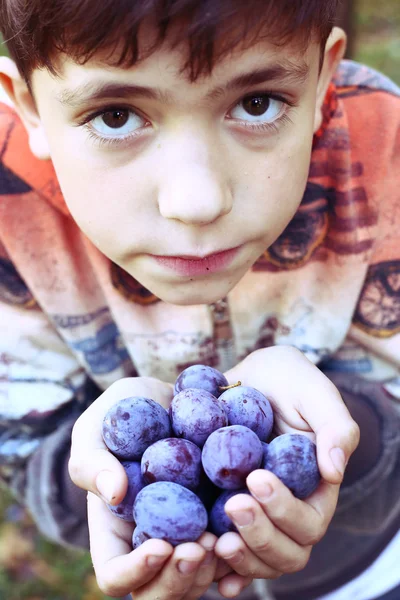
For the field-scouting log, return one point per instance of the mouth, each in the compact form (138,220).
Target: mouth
(188,265)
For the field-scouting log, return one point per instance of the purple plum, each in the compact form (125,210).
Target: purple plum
(170,512)
(132,425)
(292,458)
(201,377)
(124,510)
(249,407)
(230,454)
(195,414)
(173,459)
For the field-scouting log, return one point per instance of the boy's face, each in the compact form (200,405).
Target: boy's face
(182,184)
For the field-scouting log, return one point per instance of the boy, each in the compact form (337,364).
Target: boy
(202,182)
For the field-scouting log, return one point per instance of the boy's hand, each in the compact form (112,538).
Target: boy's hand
(91,466)
(278,531)
(120,570)
(155,569)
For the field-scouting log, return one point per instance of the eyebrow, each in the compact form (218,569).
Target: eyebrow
(288,72)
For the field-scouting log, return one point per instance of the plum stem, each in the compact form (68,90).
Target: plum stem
(229,387)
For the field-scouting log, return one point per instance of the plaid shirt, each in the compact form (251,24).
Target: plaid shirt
(72,322)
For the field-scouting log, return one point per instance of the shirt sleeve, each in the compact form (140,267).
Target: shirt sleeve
(376,321)
(43,390)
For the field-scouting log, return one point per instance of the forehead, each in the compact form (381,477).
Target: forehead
(262,62)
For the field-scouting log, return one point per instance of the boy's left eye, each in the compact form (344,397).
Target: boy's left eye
(117,121)
(257,109)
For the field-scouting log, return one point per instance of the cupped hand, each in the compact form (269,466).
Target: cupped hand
(91,466)
(155,569)
(276,530)
(304,401)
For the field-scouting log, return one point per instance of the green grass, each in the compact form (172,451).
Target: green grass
(377,42)
(381,55)
(32,568)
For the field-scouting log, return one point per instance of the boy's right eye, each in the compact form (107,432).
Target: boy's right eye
(116,121)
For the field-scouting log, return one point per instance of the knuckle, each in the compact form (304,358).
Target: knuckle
(274,574)
(280,513)
(120,386)
(109,587)
(313,537)
(199,588)
(76,430)
(354,434)
(178,594)
(74,469)
(245,570)
(262,546)
(297,564)
(290,352)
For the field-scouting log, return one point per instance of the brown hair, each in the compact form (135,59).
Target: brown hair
(36,30)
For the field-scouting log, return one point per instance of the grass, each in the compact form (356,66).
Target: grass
(377,43)
(32,568)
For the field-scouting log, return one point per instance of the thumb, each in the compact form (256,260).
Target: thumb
(91,466)
(334,448)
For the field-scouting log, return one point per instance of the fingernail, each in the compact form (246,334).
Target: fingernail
(186,567)
(235,558)
(338,459)
(155,561)
(262,491)
(233,589)
(105,483)
(243,518)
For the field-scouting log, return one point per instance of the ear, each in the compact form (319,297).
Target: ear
(334,52)
(23,102)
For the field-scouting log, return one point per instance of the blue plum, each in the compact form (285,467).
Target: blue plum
(124,510)
(138,538)
(173,459)
(169,512)
(249,407)
(292,458)
(230,454)
(201,377)
(133,424)
(220,523)
(265,453)
(195,414)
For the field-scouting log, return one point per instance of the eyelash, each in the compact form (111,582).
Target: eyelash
(273,127)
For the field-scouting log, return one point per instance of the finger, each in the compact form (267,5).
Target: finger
(119,570)
(206,573)
(232,585)
(304,521)
(91,466)
(242,559)
(273,547)
(177,577)
(313,404)
(222,570)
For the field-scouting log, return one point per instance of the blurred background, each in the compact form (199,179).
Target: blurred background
(30,567)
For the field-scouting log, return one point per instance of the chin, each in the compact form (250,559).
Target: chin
(195,293)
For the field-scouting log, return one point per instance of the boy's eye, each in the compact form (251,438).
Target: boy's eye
(120,121)
(259,108)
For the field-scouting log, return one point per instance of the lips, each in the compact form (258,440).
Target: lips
(192,266)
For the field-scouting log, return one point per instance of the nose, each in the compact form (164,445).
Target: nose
(193,190)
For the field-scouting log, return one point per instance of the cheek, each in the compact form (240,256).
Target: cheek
(109,203)
(273,184)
